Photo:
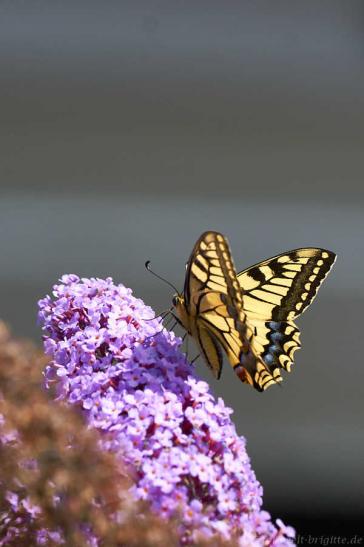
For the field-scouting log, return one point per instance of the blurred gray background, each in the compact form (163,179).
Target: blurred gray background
(128,128)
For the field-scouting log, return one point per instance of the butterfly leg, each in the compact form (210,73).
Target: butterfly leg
(168,321)
(185,337)
(195,358)
(173,326)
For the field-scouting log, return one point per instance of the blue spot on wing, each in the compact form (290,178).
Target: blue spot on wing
(269,359)
(275,325)
(274,348)
(276,336)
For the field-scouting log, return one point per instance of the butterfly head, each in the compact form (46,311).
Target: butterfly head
(178,301)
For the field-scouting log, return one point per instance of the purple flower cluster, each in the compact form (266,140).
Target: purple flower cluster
(133,383)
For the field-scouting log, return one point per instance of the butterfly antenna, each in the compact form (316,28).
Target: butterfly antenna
(147,265)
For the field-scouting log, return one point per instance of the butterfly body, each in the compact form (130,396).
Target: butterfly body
(249,315)
(182,314)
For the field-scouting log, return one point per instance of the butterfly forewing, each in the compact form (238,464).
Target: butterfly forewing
(211,268)
(282,287)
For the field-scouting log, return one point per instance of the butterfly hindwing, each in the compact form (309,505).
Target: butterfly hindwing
(276,342)
(237,341)
(275,292)
(210,349)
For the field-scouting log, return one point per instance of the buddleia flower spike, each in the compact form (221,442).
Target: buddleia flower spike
(154,413)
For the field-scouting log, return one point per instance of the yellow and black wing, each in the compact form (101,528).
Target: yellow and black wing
(277,291)
(214,300)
